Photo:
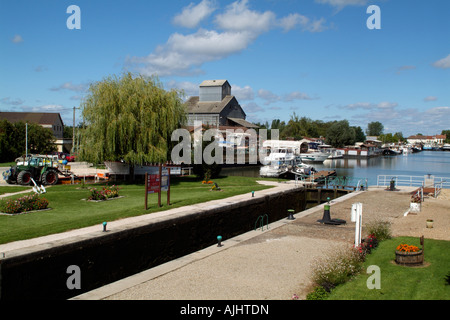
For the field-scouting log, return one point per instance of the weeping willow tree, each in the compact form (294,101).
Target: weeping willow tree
(130,119)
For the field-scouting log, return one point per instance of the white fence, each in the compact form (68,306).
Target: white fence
(414,181)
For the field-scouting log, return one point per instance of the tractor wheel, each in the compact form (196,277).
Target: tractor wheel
(50,177)
(24,178)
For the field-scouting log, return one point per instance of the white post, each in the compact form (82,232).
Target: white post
(357,211)
(353,217)
(26,140)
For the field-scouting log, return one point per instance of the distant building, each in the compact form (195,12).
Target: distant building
(52,121)
(216,107)
(437,139)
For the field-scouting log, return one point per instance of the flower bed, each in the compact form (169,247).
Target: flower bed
(105,194)
(24,204)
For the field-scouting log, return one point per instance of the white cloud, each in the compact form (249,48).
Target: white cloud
(239,18)
(8,101)
(252,107)
(17,39)
(268,96)
(242,94)
(382,106)
(443,63)
(189,88)
(296,95)
(430,98)
(184,54)
(192,15)
(295,19)
(48,108)
(404,68)
(343,3)
(71,87)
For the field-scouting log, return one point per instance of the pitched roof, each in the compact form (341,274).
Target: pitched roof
(213,83)
(243,123)
(194,105)
(34,117)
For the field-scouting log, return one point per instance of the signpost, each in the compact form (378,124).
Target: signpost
(157,180)
(357,217)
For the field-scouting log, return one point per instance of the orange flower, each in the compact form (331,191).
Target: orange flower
(407,248)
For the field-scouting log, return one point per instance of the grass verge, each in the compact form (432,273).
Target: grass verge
(427,282)
(69,211)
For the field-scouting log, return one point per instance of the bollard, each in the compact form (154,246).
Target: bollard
(291,214)
(326,219)
(219,240)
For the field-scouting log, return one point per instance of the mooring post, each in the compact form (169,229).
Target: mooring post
(291,214)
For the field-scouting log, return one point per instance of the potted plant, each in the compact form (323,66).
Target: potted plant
(408,255)
(416,203)
(430,223)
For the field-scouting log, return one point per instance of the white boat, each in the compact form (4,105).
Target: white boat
(314,156)
(333,153)
(406,150)
(279,162)
(446,147)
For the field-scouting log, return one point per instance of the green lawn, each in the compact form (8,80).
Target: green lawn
(70,211)
(401,282)
(5,190)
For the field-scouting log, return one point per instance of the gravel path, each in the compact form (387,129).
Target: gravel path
(277,264)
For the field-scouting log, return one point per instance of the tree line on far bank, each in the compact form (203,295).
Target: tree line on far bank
(13,136)
(336,133)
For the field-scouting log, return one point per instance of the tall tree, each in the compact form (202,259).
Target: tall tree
(447,133)
(340,134)
(359,134)
(12,140)
(131,119)
(375,128)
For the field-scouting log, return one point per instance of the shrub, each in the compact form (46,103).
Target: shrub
(380,229)
(24,204)
(104,194)
(337,268)
(319,293)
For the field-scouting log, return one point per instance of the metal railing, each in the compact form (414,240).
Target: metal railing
(426,181)
(261,222)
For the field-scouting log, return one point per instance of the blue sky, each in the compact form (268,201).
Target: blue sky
(316,58)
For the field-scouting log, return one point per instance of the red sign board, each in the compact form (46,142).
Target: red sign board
(157,182)
(153,183)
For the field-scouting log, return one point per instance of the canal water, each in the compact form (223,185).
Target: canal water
(435,163)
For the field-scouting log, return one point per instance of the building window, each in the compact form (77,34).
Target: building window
(206,119)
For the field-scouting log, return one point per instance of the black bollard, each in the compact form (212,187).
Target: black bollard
(326,219)
(291,214)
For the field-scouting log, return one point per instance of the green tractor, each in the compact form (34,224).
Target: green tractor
(41,169)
